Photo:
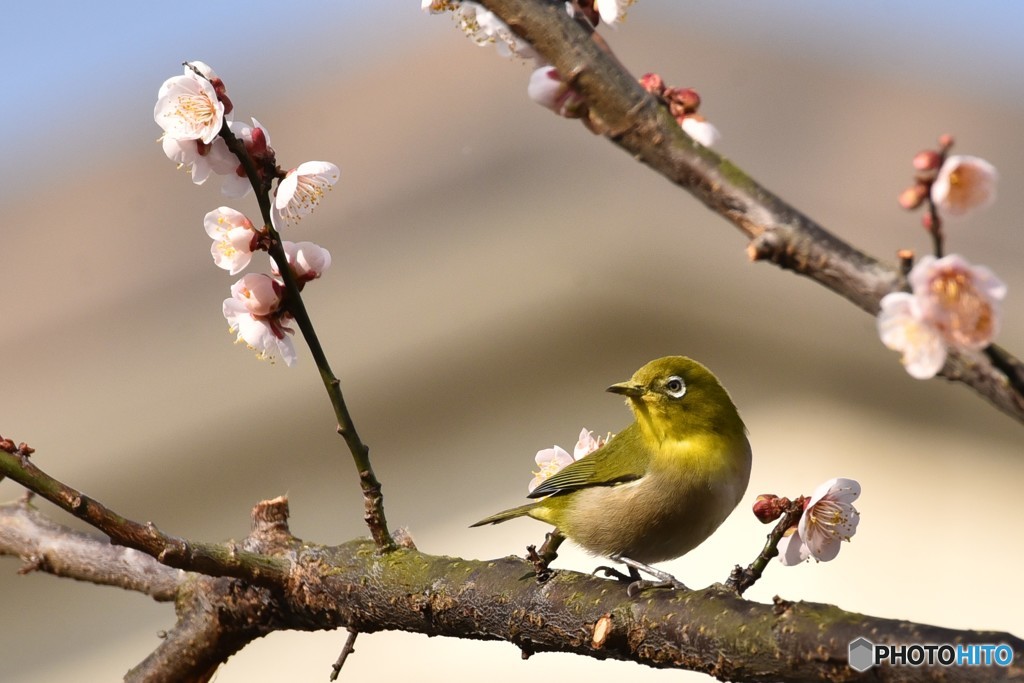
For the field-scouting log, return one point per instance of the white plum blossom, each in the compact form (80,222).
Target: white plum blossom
(612,11)
(587,444)
(698,128)
(307,260)
(547,89)
(253,314)
(964,183)
(187,108)
(551,460)
(438,6)
(483,26)
(828,519)
(902,328)
(960,300)
(236,182)
(303,188)
(233,235)
(200,159)
(202,68)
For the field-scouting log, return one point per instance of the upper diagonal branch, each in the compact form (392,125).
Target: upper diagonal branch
(634,120)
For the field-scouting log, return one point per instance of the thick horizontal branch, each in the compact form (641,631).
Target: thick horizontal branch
(779,233)
(353,585)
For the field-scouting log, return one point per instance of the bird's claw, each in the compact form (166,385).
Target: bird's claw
(612,572)
(637,584)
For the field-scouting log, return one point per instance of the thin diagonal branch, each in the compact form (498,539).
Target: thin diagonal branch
(373,499)
(205,558)
(778,232)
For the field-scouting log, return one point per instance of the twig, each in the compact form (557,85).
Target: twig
(345,652)
(547,554)
(368,482)
(742,579)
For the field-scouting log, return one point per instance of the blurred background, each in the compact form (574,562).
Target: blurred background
(495,268)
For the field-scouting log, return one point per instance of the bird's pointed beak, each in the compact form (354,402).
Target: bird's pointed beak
(631,389)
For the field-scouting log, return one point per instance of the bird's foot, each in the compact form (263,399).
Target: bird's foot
(612,573)
(638,585)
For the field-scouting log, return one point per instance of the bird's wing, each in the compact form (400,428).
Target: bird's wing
(606,466)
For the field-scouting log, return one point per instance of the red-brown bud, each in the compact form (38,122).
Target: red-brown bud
(687,97)
(652,83)
(769,507)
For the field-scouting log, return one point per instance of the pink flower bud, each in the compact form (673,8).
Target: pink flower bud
(927,160)
(912,197)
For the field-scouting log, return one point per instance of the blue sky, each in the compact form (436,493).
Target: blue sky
(64,60)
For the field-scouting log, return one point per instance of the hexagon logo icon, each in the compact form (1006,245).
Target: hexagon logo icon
(862,654)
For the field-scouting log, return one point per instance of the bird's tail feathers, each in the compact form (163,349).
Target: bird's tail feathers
(507,515)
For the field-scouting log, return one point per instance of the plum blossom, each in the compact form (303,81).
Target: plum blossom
(547,89)
(200,159)
(551,460)
(254,313)
(257,144)
(307,260)
(482,26)
(829,518)
(903,328)
(188,108)
(303,188)
(960,300)
(964,183)
(233,237)
(701,130)
(612,11)
(953,305)
(260,294)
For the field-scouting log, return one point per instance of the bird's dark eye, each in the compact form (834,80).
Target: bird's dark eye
(675,386)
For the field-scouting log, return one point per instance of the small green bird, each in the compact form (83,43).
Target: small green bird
(659,487)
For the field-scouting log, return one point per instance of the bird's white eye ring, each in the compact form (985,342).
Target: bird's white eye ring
(675,386)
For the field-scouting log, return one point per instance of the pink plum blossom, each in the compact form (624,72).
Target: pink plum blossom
(964,183)
(551,460)
(253,313)
(903,328)
(960,300)
(829,518)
